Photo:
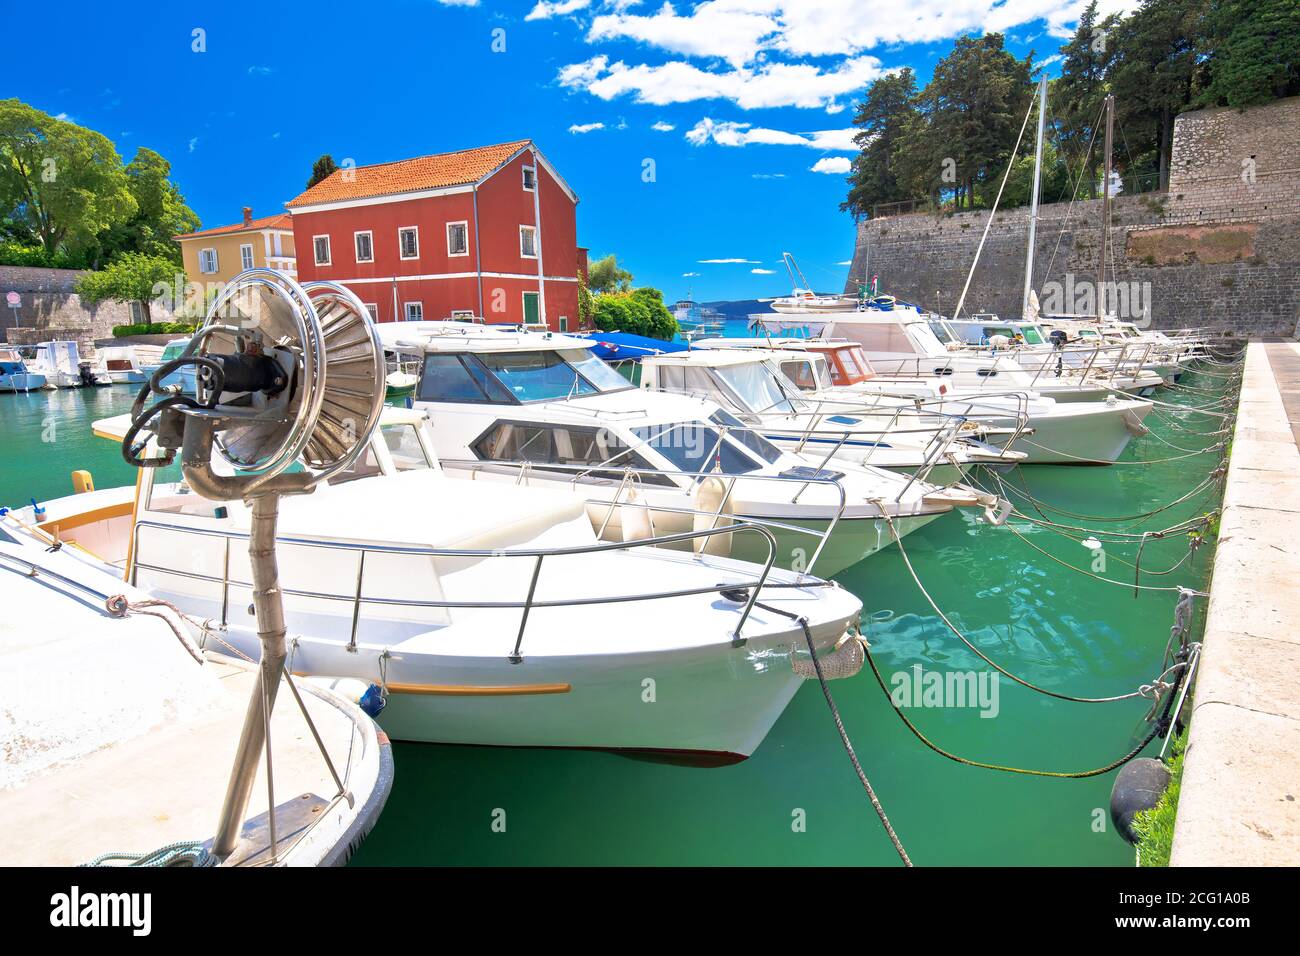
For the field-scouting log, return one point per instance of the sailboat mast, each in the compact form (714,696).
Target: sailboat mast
(1033,202)
(1105,204)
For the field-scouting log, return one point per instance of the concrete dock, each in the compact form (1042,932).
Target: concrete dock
(1240,800)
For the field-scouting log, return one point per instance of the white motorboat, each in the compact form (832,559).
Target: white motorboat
(120,364)
(61,364)
(541,409)
(901,344)
(179,377)
(1047,431)
(15,376)
(887,432)
(484,613)
(804,301)
(119,734)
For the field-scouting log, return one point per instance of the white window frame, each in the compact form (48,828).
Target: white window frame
(216,267)
(564,323)
(246,260)
(406,311)
(372,307)
(459,315)
(522,254)
(137,312)
(315,252)
(370,238)
(400,253)
(464,224)
(524,171)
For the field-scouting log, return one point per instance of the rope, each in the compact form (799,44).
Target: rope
(120,606)
(1078,774)
(839,724)
(173,854)
(1142,691)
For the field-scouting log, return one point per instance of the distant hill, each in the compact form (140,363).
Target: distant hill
(743,308)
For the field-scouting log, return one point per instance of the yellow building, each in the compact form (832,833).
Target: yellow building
(217,255)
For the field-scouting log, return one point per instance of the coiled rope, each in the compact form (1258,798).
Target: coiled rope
(173,854)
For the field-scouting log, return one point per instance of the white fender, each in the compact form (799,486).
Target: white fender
(711,512)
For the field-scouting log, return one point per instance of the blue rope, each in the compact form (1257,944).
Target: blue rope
(186,853)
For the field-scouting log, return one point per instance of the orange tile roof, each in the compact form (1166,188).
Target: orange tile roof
(278,221)
(460,168)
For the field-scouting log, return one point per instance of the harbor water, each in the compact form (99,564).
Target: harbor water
(797,800)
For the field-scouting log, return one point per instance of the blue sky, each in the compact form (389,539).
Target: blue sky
(738,104)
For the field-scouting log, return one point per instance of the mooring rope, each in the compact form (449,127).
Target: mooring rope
(1159,728)
(185,853)
(839,722)
(907,561)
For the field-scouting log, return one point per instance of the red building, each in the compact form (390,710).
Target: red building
(487,232)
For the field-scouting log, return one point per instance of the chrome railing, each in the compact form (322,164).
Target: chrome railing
(580,478)
(357,598)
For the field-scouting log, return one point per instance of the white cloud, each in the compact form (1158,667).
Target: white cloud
(723,262)
(585,127)
(846,262)
(763,272)
(459,3)
(260,71)
(740,31)
(832,164)
(763,85)
(1048,61)
(729,133)
(194,141)
(748,50)
(544,10)
(662,127)
(768,175)
(689,275)
(64,117)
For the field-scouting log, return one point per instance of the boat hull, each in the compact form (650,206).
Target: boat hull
(1087,436)
(22,382)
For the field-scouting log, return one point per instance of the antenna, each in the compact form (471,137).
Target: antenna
(284,374)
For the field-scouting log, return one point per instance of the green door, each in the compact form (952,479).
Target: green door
(530,308)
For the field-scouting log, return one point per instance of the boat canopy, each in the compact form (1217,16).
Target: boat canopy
(622,346)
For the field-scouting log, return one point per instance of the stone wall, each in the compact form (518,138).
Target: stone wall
(1221,249)
(49,309)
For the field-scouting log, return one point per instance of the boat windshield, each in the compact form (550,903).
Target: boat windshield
(405,448)
(693,447)
(540,376)
(596,370)
(760,386)
(746,435)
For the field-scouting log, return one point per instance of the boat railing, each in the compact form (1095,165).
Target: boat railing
(357,597)
(588,473)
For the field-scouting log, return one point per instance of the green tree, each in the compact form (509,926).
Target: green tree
(1157,63)
(161,212)
(1254,51)
(132,278)
(605,275)
(64,183)
(1077,96)
(639,311)
(586,306)
(320,169)
(881,119)
(966,122)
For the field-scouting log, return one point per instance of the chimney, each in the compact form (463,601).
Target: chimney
(248,215)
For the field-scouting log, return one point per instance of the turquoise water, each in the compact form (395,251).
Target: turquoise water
(1041,621)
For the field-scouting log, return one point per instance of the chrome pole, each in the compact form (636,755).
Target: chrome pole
(269,606)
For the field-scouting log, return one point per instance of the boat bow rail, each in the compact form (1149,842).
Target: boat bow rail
(752,585)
